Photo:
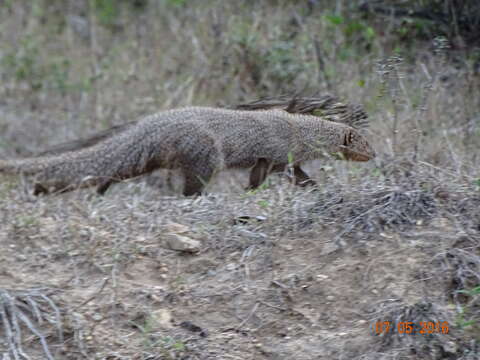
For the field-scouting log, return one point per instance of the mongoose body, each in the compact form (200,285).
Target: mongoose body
(200,141)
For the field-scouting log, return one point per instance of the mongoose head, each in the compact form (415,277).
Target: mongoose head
(354,146)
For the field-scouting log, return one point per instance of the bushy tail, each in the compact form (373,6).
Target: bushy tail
(37,163)
(86,142)
(113,158)
(25,166)
(58,173)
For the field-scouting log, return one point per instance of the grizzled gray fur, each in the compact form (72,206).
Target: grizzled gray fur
(199,141)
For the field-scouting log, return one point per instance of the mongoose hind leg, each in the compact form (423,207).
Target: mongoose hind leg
(103,186)
(194,183)
(258,173)
(39,189)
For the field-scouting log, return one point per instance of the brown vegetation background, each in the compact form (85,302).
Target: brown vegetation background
(395,240)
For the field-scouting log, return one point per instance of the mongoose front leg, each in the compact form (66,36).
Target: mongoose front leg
(301,178)
(263,168)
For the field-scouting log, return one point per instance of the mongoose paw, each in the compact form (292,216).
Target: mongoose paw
(307,182)
(103,187)
(192,193)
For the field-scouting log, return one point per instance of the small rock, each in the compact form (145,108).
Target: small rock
(245,219)
(97,317)
(330,298)
(183,243)
(193,328)
(177,228)
(141,239)
(21,257)
(163,318)
(450,347)
(329,248)
(441,223)
(231,266)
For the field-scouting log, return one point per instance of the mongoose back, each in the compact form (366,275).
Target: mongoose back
(200,141)
(327,107)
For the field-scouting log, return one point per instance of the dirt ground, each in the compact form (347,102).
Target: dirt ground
(380,262)
(274,288)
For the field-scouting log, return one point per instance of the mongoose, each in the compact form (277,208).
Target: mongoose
(200,141)
(326,107)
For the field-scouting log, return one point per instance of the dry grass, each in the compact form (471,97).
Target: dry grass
(392,240)
(28,309)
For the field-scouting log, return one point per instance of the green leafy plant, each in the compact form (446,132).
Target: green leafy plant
(178,3)
(22,63)
(461,318)
(107,11)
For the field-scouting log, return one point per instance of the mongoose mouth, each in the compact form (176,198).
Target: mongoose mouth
(356,156)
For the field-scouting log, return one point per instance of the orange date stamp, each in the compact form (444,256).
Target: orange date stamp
(410,327)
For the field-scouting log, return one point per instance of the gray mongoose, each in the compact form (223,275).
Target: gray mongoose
(327,107)
(200,141)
